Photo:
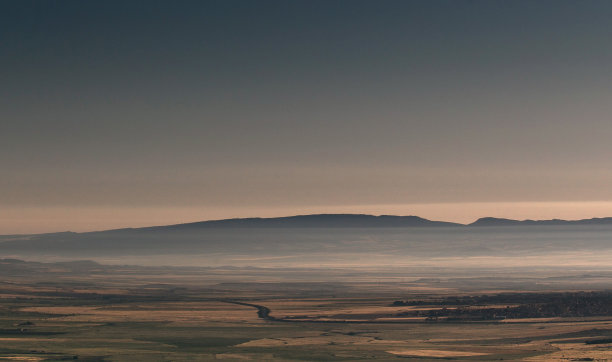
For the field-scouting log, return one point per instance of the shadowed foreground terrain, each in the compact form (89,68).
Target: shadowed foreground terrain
(92,312)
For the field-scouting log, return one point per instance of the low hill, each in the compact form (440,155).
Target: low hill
(493,221)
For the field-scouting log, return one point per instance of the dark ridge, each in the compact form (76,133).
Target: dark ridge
(493,221)
(317,221)
(356,221)
(310,221)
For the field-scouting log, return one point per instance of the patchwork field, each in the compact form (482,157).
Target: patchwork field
(132,317)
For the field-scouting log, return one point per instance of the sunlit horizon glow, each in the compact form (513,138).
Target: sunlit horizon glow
(136,113)
(28,220)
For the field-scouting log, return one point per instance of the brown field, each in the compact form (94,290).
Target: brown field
(135,317)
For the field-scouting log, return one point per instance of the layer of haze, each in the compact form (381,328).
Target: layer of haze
(138,113)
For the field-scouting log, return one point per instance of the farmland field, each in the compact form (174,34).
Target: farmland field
(92,312)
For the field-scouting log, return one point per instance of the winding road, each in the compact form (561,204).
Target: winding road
(262,311)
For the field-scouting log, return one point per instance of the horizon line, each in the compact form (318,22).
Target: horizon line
(314,214)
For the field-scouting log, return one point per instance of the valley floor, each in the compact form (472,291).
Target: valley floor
(132,316)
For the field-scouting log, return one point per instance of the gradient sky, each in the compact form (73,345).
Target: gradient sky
(129,113)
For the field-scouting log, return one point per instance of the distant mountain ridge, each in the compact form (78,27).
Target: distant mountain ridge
(362,220)
(308,239)
(321,221)
(310,221)
(493,221)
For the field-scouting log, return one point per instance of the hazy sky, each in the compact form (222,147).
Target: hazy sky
(117,113)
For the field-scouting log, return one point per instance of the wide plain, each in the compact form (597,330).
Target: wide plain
(93,312)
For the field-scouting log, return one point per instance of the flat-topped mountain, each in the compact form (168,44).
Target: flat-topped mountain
(310,221)
(336,239)
(313,221)
(358,221)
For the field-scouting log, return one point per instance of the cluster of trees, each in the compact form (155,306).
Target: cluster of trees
(530,305)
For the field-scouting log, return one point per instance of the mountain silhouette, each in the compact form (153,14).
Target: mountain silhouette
(307,239)
(315,221)
(310,221)
(493,221)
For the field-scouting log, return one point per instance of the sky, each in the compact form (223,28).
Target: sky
(134,113)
